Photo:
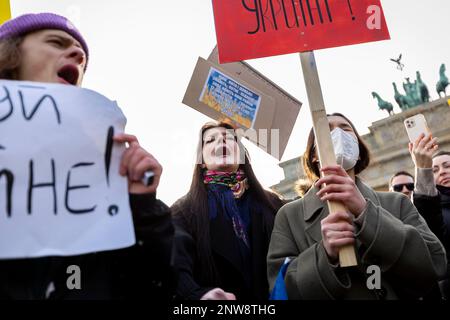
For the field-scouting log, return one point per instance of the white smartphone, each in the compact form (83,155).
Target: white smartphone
(415,126)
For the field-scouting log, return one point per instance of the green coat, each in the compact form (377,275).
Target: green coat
(391,235)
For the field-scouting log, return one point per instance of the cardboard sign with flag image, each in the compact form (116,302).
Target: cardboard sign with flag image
(5,11)
(248,29)
(238,93)
(287,107)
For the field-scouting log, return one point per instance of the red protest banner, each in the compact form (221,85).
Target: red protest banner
(248,29)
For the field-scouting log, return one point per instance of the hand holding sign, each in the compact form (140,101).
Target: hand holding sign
(325,149)
(135,163)
(60,198)
(337,185)
(337,231)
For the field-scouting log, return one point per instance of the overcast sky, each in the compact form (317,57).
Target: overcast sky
(143,54)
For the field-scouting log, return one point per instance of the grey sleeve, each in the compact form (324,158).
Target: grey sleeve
(424,184)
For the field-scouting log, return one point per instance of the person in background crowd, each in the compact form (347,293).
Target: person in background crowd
(46,47)
(223,224)
(432,197)
(384,227)
(402,182)
(422,190)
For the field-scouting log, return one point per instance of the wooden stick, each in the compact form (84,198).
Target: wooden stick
(347,257)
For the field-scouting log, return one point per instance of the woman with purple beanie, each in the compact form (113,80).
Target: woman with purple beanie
(46,47)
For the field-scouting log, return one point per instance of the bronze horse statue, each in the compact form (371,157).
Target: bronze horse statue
(383,105)
(442,84)
(403,101)
(423,89)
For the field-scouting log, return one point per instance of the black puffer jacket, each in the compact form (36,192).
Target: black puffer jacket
(445,205)
(138,272)
(436,212)
(246,279)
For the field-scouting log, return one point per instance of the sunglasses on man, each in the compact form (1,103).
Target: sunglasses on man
(399,187)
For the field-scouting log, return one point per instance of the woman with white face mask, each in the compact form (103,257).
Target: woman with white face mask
(46,47)
(385,229)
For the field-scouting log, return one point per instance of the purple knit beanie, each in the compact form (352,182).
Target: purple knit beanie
(34,22)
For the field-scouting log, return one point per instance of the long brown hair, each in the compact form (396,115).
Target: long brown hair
(311,167)
(193,210)
(10,57)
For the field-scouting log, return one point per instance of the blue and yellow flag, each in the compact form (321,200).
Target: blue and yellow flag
(279,291)
(5,11)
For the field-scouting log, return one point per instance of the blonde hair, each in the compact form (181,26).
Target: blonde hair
(302,186)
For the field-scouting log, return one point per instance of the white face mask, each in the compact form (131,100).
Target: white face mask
(346,148)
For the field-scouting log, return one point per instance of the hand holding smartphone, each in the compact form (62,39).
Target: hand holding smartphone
(422,145)
(415,126)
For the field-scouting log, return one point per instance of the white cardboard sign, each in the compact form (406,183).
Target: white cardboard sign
(60,189)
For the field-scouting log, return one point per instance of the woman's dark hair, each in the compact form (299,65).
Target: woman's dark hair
(192,209)
(10,58)
(311,164)
(441,153)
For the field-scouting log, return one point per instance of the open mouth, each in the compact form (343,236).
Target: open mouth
(222,151)
(69,74)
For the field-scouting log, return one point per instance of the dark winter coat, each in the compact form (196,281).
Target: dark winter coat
(138,272)
(246,283)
